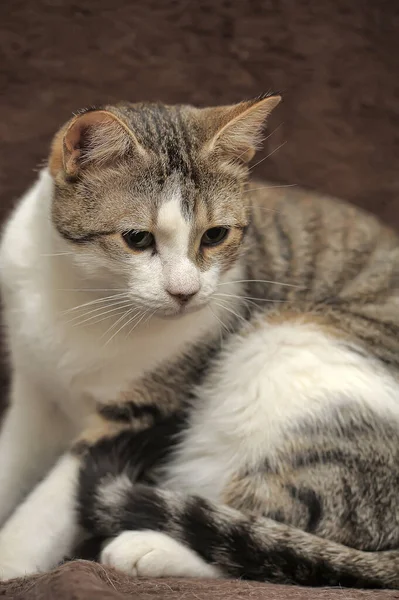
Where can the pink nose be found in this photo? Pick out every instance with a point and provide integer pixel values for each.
(182, 298)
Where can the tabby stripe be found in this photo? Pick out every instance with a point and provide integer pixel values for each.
(126, 412)
(312, 502)
(285, 249)
(82, 239)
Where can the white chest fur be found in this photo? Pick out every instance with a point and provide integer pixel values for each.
(75, 362)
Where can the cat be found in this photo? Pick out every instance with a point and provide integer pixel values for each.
(205, 370)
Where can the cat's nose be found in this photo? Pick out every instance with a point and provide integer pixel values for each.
(182, 298)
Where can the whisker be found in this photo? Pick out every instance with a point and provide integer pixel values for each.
(59, 254)
(245, 300)
(261, 281)
(224, 326)
(273, 187)
(120, 303)
(230, 310)
(273, 132)
(268, 156)
(237, 158)
(91, 290)
(115, 324)
(96, 318)
(106, 299)
(138, 323)
(150, 316)
(249, 298)
(266, 208)
(136, 316)
(104, 318)
(146, 320)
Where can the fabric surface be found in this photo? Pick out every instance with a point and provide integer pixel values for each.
(336, 63)
(83, 580)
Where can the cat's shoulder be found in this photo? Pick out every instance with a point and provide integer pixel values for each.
(22, 237)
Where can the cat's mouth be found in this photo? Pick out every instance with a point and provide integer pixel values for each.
(181, 311)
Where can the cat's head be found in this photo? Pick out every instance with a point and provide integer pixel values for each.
(151, 197)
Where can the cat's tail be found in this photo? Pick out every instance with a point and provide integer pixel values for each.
(241, 546)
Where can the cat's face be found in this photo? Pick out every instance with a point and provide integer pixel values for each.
(152, 198)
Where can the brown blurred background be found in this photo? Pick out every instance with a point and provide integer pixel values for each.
(335, 61)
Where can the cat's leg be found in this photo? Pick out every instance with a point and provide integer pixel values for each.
(43, 529)
(33, 435)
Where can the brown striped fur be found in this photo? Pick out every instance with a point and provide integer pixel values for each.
(344, 262)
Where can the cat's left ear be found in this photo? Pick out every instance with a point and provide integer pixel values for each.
(237, 130)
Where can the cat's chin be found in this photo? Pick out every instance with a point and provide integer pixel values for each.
(181, 312)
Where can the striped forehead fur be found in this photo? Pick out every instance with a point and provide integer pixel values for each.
(169, 132)
(130, 158)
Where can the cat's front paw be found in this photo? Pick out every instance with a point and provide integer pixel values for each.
(154, 554)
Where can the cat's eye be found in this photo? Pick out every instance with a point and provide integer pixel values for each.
(214, 236)
(139, 240)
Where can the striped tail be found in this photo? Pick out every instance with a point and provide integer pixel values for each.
(241, 546)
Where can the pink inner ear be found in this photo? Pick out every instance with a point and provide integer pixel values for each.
(240, 127)
(74, 140)
(73, 136)
(77, 130)
(72, 146)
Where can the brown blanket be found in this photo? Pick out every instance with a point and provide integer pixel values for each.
(82, 580)
(336, 63)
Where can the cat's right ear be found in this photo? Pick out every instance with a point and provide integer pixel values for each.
(236, 131)
(93, 137)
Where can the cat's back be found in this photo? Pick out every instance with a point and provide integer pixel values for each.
(327, 246)
(341, 264)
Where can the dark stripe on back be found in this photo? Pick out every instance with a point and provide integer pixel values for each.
(321, 457)
(286, 251)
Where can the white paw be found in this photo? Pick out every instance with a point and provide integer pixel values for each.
(154, 554)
